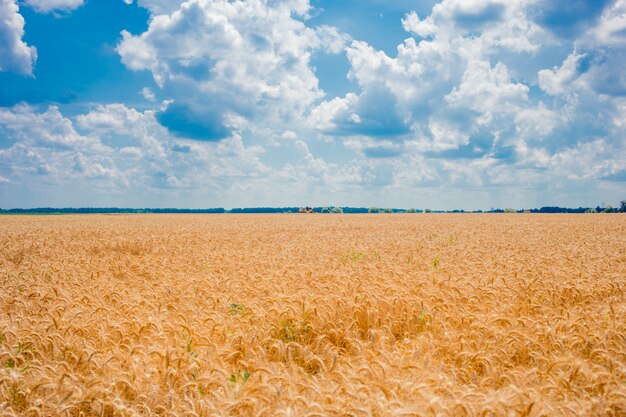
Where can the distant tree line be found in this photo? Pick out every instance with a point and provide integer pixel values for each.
(597, 209)
(552, 209)
(105, 210)
(328, 209)
(265, 210)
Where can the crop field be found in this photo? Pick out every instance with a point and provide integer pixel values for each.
(305, 314)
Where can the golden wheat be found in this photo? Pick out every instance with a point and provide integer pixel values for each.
(296, 315)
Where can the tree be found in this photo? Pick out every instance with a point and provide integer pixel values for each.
(337, 210)
(373, 210)
(411, 210)
(622, 208)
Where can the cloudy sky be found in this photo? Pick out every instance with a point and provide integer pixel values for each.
(212, 103)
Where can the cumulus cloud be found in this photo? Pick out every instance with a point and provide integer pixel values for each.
(15, 55)
(396, 93)
(118, 147)
(157, 7)
(412, 23)
(467, 16)
(438, 92)
(487, 90)
(112, 118)
(152, 158)
(604, 74)
(47, 6)
(373, 113)
(225, 63)
(558, 80)
(538, 122)
(482, 95)
(374, 148)
(589, 84)
(116, 120)
(47, 129)
(611, 28)
(459, 113)
(46, 147)
(499, 23)
(591, 160)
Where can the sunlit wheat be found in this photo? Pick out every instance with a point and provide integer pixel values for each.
(296, 315)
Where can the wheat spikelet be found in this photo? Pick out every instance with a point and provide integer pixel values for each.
(399, 315)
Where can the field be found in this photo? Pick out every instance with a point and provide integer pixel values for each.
(296, 315)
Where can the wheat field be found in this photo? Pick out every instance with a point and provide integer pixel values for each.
(313, 315)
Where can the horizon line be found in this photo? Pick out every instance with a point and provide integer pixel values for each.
(295, 209)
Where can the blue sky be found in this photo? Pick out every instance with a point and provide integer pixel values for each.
(431, 104)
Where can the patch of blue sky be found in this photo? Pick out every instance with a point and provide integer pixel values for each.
(247, 97)
(376, 22)
(77, 62)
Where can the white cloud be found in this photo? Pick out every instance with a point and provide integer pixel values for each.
(619, 115)
(119, 146)
(132, 151)
(594, 67)
(315, 167)
(157, 7)
(500, 23)
(592, 160)
(47, 6)
(91, 167)
(468, 110)
(231, 62)
(372, 148)
(289, 135)
(148, 94)
(455, 16)
(557, 80)
(611, 29)
(47, 129)
(488, 90)
(412, 23)
(327, 115)
(395, 92)
(55, 167)
(46, 146)
(445, 135)
(538, 122)
(112, 117)
(15, 54)
(438, 92)
(118, 120)
(452, 90)
(477, 100)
